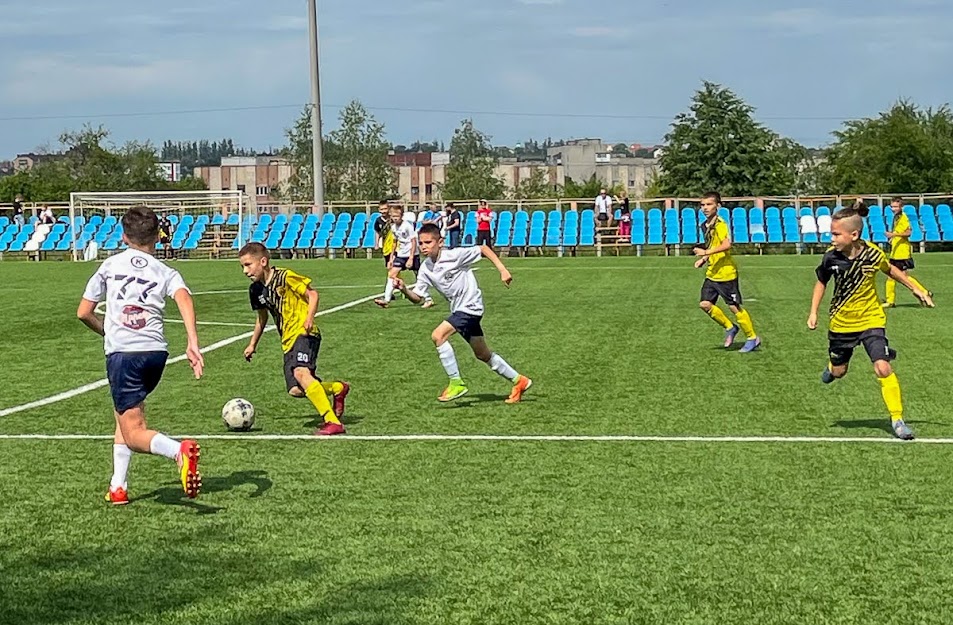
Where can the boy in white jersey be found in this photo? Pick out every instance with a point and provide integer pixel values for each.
(405, 256)
(450, 272)
(135, 285)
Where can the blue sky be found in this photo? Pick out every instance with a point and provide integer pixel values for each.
(616, 69)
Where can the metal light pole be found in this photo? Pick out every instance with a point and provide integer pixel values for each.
(317, 160)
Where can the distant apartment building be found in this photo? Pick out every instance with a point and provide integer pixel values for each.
(258, 176)
(581, 158)
(26, 162)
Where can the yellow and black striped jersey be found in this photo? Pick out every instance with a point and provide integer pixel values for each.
(721, 266)
(285, 296)
(900, 246)
(854, 304)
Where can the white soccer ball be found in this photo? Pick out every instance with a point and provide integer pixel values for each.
(238, 415)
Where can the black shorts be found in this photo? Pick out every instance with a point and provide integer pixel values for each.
(727, 290)
(842, 344)
(387, 259)
(602, 217)
(467, 325)
(903, 265)
(304, 353)
(402, 262)
(484, 237)
(132, 376)
(165, 240)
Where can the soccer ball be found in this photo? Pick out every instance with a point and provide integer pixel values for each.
(238, 415)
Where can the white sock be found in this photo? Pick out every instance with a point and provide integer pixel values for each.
(121, 457)
(162, 445)
(448, 360)
(389, 290)
(501, 367)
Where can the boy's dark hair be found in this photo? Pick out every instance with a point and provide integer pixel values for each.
(430, 229)
(254, 249)
(383, 203)
(857, 209)
(896, 198)
(713, 195)
(450, 205)
(141, 225)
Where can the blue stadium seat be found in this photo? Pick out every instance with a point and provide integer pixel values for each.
(726, 215)
(538, 219)
(520, 229)
(638, 227)
(504, 228)
(655, 227)
(554, 229)
(739, 225)
(673, 234)
(322, 238)
(587, 228)
(773, 224)
(232, 219)
(916, 230)
(217, 220)
(359, 226)
(792, 229)
(689, 226)
(4, 221)
(571, 229)
(756, 225)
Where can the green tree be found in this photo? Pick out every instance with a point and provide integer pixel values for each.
(536, 187)
(471, 173)
(583, 190)
(356, 165)
(718, 145)
(88, 162)
(621, 148)
(355, 158)
(904, 150)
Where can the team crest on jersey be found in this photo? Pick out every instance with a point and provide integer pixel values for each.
(133, 317)
(139, 262)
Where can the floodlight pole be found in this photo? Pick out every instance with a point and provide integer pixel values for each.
(317, 159)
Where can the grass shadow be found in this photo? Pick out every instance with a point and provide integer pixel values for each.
(877, 424)
(173, 495)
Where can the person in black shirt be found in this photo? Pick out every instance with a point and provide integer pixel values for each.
(18, 210)
(454, 225)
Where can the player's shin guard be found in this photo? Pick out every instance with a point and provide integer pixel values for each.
(891, 290)
(162, 445)
(503, 368)
(319, 398)
(448, 360)
(719, 317)
(122, 455)
(890, 389)
(744, 322)
(389, 290)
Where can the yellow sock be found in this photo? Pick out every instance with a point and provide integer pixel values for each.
(891, 291)
(744, 322)
(890, 389)
(332, 388)
(917, 284)
(316, 394)
(719, 317)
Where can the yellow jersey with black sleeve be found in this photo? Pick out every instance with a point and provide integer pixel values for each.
(721, 266)
(900, 248)
(854, 303)
(285, 296)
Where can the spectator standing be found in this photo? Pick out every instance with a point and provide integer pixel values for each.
(603, 209)
(47, 217)
(484, 218)
(18, 210)
(625, 217)
(454, 223)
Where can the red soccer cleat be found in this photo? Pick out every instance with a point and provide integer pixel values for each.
(330, 429)
(117, 496)
(189, 467)
(339, 400)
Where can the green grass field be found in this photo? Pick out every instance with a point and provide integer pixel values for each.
(383, 531)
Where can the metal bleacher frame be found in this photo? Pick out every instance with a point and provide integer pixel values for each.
(560, 227)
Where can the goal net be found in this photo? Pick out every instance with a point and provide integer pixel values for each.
(204, 223)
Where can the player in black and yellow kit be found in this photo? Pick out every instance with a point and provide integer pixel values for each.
(856, 315)
(901, 253)
(721, 277)
(293, 304)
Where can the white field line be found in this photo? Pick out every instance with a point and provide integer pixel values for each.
(517, 438)
(79, 390)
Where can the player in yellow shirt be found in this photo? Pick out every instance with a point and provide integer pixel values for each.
(856, 317)
(901, 252)
(721, 277)
(293, 303)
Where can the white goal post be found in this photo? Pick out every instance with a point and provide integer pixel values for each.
(94, 217)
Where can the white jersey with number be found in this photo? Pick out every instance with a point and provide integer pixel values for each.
(404, 233)
(452, 276)
(135, 286)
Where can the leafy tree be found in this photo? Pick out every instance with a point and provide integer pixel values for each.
(904, 150)
(587, 189)
(621, 148)
(536, 187)
(718, 145)
(88, 162)
(471, 172)
(355, 158)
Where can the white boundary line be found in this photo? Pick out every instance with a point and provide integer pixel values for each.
(209, 348)
(519, 438)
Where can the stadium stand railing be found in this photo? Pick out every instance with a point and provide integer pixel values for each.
(538, 227)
